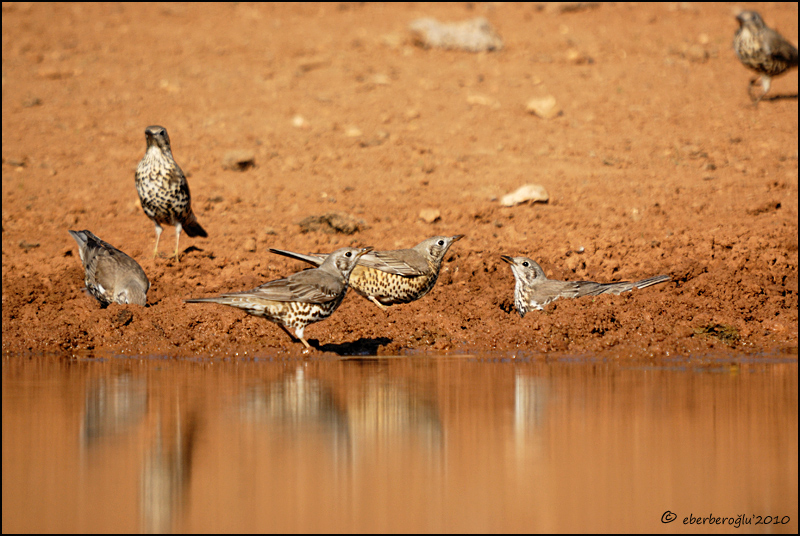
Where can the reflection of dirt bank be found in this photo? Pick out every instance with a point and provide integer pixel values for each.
(658, 164)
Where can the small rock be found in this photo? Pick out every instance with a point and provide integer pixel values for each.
(378, 139)
(697, 54)
(475, 35)
(574, 263)
(528, 192)
(770, 206)
(122, 318)
(544, 107)
(311, 64)
(483, 100)
(291, 163)
(429, 215)
(239, 160)
(54, 73)
(569, 7)
(266, 235)
(16, 161)
(577, 57)
(250, 245)
(411, 113)
(352, 132)
(333, 222)
(28, 245)
(299, 121)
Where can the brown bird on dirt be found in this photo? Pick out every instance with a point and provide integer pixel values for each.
(301, 298)
(533, 290)
(163, 189)
(110, 275)
(763, 50)
(392, 277)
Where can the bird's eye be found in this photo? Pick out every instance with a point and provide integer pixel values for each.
(440, 242)
(525, 264)
(348, 254)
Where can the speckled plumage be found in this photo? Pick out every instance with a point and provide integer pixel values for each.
(392, 277)
(110, 275)
(533, 290)
(301, 298)
(763, 50)
(163, 189)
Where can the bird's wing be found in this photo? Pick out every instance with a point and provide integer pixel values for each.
(404, 262)
(569, 289)
(778, 47)
(114, 269)
(311, 286)
(590, 288)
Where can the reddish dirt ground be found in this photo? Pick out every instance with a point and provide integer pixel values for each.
(658, 163)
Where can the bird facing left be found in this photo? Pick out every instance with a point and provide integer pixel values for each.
(111, 276)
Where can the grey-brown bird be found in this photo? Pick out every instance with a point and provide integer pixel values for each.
(763, 50)
(533, 290)
(163, 189)
(110, 275)
(301, 298)
(391, 277)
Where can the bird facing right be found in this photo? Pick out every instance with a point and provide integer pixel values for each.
(396, 276)
(300, 299)
(533, 290)
(163, 189)
(763, 50)
(110, 275)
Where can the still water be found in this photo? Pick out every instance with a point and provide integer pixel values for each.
(398, 444)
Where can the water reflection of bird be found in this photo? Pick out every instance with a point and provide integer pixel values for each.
(112, 406)
(374, 410)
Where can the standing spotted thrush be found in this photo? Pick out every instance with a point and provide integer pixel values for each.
(763, 50)
(110, 275)
(301, 298)
(533, 290)
(391, 277)
(163, 189)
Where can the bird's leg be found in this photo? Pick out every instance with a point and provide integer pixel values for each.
(177, 240)
(298, 335)
(766, 82)
(381, 306)
(158, 237)
(750, 89)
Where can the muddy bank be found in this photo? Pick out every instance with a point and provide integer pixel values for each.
(657, 163)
